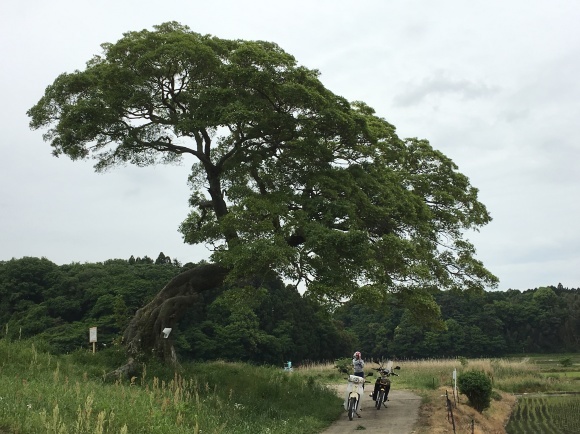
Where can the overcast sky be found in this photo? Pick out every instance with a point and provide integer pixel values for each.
(494, 84)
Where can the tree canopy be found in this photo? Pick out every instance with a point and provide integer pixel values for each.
(287, 177)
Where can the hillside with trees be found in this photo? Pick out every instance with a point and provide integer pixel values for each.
(270, 322)
(267, 323)
(489, 324)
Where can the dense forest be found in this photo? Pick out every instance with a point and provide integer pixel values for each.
(271, 322)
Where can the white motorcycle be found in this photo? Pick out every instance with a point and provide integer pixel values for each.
(354, 393)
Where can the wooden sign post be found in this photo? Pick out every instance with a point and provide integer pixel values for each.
(93, 337)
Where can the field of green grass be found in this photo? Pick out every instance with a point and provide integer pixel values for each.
(40, 393)
(43, 393)
(572, 375)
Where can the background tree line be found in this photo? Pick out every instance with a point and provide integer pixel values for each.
(491, 323)
(58, 304)
(275, 323)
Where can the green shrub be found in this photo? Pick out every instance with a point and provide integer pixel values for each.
(566, 362)
(343, 365)
(476, 385)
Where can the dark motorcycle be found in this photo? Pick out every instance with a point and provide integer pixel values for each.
(383, 384)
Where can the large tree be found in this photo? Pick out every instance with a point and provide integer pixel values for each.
(287, 177)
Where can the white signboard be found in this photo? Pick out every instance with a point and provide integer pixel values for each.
(93, 334)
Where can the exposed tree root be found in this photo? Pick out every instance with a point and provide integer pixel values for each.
(143, 336)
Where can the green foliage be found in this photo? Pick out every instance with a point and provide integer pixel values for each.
(371, 325)
(274, 323)
(476, 325)
(287, 176)
(343, 365)
(23, 283)
(271, 324)
(41, 392)
(60, 303)
(476, 385)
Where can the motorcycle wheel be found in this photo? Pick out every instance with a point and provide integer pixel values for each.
(379, 401)
(351, 408)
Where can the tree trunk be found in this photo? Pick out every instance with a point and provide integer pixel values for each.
(144, 333)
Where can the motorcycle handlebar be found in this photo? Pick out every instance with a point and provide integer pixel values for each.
(389, 372)
(366, 381)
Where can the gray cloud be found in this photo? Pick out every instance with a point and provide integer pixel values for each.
(441, 85)
(493, 85)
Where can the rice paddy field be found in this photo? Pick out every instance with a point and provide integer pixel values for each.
(547, 411)
(546, 414)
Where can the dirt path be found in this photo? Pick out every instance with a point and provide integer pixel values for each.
(400, 416)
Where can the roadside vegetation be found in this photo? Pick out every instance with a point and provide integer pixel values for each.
(42, 393)
(56, 305)
(513, 378)
(45, 393)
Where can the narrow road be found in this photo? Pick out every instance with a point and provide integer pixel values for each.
(400, 416)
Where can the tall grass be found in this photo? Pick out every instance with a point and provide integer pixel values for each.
(512, 376)
(40, 393)
(508, 375)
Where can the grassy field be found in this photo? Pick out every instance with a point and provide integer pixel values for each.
(42, 393)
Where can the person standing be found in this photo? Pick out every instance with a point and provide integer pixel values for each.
(358, 364)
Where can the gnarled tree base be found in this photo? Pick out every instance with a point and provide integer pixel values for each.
(143, 335)
(125, 372)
